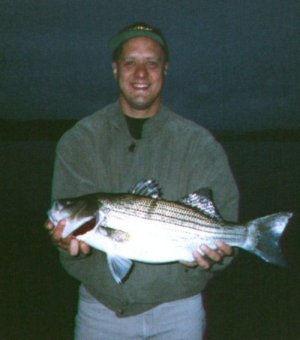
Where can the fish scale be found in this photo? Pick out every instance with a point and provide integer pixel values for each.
(176, 218)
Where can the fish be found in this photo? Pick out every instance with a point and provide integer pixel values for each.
(142, 226)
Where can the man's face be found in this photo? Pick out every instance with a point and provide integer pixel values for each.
(140, 72)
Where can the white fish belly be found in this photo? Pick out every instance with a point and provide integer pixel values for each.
(153, 241)
(154, 248)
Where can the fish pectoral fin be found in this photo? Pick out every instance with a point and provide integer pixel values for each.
(119, 267)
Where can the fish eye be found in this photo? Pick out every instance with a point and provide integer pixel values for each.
(67, 202)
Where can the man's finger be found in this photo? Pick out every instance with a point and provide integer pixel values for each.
(201, 259)
(225, 248)
(212, 254)
(49, 225)
(58, 230)
(74, 247)
(85, 248)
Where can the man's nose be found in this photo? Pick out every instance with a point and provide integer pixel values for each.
(141, 70)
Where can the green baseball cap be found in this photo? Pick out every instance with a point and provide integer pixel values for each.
(138, 30)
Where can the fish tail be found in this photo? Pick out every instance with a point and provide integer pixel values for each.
(264, 235)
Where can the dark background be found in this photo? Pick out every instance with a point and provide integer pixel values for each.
(234, 68)
(234, 64)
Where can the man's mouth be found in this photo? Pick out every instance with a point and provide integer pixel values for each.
(139, 86)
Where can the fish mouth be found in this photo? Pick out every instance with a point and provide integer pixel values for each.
(79, 226)
(85, 227)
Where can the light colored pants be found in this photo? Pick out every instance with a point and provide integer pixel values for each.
(177, 320)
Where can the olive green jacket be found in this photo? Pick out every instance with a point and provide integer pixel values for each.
(95, 155)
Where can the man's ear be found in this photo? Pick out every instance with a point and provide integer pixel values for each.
(114, 69)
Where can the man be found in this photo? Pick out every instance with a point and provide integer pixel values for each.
(110, 151)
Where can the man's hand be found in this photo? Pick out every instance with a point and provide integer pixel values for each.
(206, 257)
(69, 243)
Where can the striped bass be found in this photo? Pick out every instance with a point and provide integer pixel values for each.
(142, 226)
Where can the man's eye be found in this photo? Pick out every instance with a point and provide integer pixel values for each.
(153, 63)
(129, 63)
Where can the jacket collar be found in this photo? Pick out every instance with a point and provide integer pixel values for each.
(151, 127)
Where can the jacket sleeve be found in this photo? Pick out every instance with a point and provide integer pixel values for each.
(73, 176)
(210, 166)
(73, 167)
(215, 171)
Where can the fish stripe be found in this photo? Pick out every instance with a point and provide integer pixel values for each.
(173, 215)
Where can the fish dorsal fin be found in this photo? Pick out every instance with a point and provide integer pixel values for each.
(148, 188)
(119, 267)
(201, 201)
